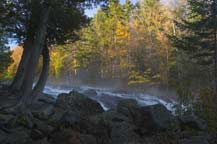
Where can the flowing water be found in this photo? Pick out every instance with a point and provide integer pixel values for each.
(108, 98)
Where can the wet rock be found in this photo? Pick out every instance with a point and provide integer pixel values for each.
(90, 92)
(110, 101)
(192, 121)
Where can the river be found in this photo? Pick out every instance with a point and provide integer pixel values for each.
(108, 98)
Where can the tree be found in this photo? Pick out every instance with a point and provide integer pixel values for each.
(150, 47)
(199, 36)
(39, 24)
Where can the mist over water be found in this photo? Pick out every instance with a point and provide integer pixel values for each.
(109, 97)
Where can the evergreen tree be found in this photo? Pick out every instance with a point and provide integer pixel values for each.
(199, 34)
(38, 24)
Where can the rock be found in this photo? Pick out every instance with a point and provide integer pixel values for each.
(18, 136)
(192, 121)
(110, 101)
(126, 107)
(74, 108)
(77, 102)
(42, 110)
(36, 134)
(3, 136)
(87, 139)
(158, 117)
(45, 98)
(113, 128)
(42, 107)
(43, 126)
(149, 118)
(90, 92)
(65, 136)
(123, 132)
(20, 120)
(195, 140)
(71, 118)
(5, 118)
(41, 141)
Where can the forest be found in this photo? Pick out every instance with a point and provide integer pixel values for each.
(131, 46)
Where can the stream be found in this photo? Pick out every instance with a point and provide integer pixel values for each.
(108, 98)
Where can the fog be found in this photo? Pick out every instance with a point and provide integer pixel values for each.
(109, 93)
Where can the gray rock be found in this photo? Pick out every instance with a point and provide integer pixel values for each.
(127, 107)
(158, 117)
(77, 102)
(43, 126)
(90, 92)
(149, 118)
(192, 121)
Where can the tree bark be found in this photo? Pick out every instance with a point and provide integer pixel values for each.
(18, 79)
(35, 53)
(45, 72)
(215, 63)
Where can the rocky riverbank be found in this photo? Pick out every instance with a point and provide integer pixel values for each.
(74, 118)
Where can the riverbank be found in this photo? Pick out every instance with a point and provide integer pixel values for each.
(76, 119)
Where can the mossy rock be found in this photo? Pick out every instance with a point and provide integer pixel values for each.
(20, 120)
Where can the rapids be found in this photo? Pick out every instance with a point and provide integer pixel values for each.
(108, 98)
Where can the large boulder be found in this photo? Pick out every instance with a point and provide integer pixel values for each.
(78, 102)
(71, 108)
(157, 117)
(147, 119)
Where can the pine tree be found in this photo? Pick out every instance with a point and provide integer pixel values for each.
(199, 34)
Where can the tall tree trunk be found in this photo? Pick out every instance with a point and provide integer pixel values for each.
(35, 53)
(18, 79)
(215, 59)
(45, 72)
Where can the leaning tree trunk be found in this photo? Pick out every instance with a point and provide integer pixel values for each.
(35, 54)
(44, 74)
(18, 79)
